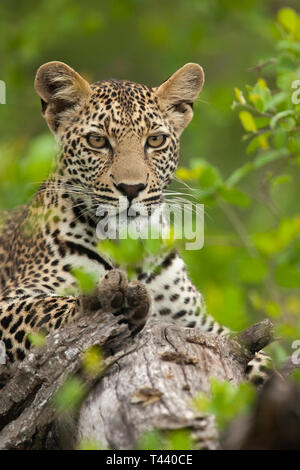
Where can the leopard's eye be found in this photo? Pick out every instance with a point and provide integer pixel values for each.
(96, 141)
(156, 141)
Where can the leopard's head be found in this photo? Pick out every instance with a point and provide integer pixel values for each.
(119, 139)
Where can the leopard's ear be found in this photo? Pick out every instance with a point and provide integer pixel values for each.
(178, 93)
(61, 90)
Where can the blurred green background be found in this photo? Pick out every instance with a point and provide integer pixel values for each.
(249, 266)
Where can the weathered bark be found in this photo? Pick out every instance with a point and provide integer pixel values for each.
(153, 386)
(26, 414)
(147, 384)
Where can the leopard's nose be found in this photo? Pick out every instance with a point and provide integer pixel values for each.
(130, 190)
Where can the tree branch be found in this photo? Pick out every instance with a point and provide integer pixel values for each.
(147, 384)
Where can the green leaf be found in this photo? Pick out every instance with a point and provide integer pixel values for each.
(260, 95)
(279, 116)
(179, 439)
(289, 19)
(185, 174)
(262, 121)
(226, 402)
(253, 145)
(247, 121)
(208, 177)
(86, 281)
(69, 396)
(123, 252)
(37, 339)
(92, 361)
(260, 141)
(239, 95)
(204, 173)
(277, 99)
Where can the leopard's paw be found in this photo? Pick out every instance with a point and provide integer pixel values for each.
(139, 304)
(120, 297)
(112, 291)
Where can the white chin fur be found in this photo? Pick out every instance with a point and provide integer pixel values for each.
(136, 223)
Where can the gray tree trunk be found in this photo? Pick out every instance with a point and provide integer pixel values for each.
(148, 382)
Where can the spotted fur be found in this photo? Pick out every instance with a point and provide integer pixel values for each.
(40, 242)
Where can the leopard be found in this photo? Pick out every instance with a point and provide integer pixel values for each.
(119, 147)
